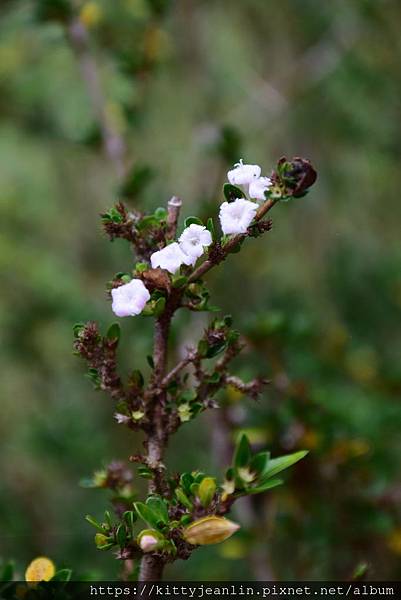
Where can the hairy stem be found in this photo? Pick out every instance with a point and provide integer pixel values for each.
(152, 566)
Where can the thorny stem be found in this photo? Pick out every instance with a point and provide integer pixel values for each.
(113, 142)
(231, 244)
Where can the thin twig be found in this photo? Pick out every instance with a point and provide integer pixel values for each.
(113, 142)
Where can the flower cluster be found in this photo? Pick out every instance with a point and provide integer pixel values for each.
(235, 217)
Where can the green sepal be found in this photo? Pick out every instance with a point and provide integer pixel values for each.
(192, 220)
(232, 192)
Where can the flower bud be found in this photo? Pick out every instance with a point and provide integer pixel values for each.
(209, 530)
(296, 175)
(40, 569)
(149, 540)
(207, 489)
(101, 540)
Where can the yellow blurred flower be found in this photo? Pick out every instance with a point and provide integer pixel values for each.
(156, 44)
(310, 439)
(233, 394)
(40, 569)
(233, 549)
(347, 449)
(362, 365)
(90, 15)
(394, 541)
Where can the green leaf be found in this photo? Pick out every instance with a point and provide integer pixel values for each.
(107, 517)
(192, 220)
(179, 281)
(203, 348)
(183, 499)
(145, 472)
(129, 517)
(160, 305)
(78, 327)
(94, 523)
(7, 571)
(62, 575)
(210, 226)
(276, 465)
(121, 535)
(141, 267)
(145, 513)
(147, 222)
(113, 332)
(136, 378)
(160, 214)
(260, 462)
(268, 485)
(206, 491)
(232, 192)
(242, 454)
(159, 507)
(150, 361)
(186, 480)
(216, 349)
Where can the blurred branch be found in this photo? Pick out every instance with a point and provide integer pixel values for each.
(113, 142)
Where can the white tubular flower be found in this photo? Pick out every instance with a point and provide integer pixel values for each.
(129, 299)
(170, 258)
(258, 187)
(243, 174)
(235, 217)
(194, 239)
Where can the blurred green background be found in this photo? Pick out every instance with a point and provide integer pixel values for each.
(193, 86)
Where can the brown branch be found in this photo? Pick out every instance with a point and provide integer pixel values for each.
(192, 356)
(113, 142)
(230, 245)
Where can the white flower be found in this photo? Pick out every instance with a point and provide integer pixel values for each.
(235, 217)
(243, 174)
(129, 299)
(148, 542)
(170, 258)
(193, 240)
(258, 188)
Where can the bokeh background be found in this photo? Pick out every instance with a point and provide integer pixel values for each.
(192, 86)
